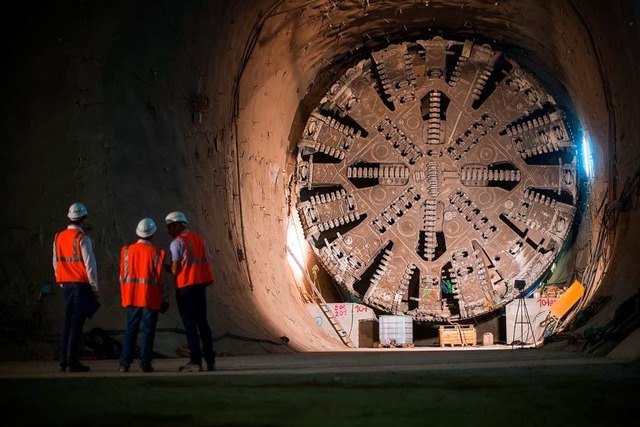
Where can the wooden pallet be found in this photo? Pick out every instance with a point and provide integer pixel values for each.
(452, 344)
(406, 345)
(457, 335)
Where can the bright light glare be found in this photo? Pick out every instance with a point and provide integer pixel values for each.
(296, 254)
(587, 157)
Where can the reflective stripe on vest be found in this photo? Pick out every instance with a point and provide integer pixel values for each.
(126, 278)
(190, 254)
(196, 268)
(69, 268)
(140, 270)
(76, 245)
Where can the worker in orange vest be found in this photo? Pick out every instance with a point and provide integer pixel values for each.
(190, 264)
(74, 265)
(143, 294)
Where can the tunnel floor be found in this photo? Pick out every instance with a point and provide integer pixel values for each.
(360, 360)
(525, 387)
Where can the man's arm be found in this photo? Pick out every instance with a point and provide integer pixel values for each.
(90, 262)
(55, 264)
(177, 254)
(175, 267)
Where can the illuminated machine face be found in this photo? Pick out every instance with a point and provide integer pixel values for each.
(434, 175)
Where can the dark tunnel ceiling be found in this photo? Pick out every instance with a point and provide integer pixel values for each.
(433, 177)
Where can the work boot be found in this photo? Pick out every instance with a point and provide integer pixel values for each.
(62, 367)
(191, 367)
(78, 367)
(123, 368)
(146, 368)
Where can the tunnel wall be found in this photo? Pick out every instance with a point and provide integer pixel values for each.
(613, 30)
(99, 108)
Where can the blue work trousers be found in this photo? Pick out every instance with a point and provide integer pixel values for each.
(192, 304)
(76, 298)
(137, 317)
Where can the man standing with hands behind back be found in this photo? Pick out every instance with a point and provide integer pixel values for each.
(190, 264)
(74, 264)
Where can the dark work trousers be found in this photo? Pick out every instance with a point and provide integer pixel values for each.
(192, 304)
(76, 298)
(136, 317)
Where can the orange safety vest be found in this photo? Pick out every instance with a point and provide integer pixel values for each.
(195, 266)
(69, 263)
(140, 270)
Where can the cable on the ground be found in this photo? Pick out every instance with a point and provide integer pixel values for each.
(283, 339)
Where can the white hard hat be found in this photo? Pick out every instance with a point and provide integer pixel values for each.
(176, 217)
(76, 211)
(146, 228)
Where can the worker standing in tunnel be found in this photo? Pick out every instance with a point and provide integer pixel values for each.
(143, 294)
(75, 268)
(191, 266)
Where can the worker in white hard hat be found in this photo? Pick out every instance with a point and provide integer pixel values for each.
(143, 294)
(191, 266)
(74, 265)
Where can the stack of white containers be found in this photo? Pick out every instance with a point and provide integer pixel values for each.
(395, 330)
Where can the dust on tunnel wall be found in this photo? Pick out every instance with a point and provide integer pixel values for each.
(614, 30)
(100, 110)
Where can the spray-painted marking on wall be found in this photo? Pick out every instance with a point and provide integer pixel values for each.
(546, 302)
(340, 310)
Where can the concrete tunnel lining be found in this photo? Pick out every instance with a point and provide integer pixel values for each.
(324, 64)
(279, 58)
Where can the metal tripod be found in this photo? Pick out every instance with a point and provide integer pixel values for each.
(522, 318)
